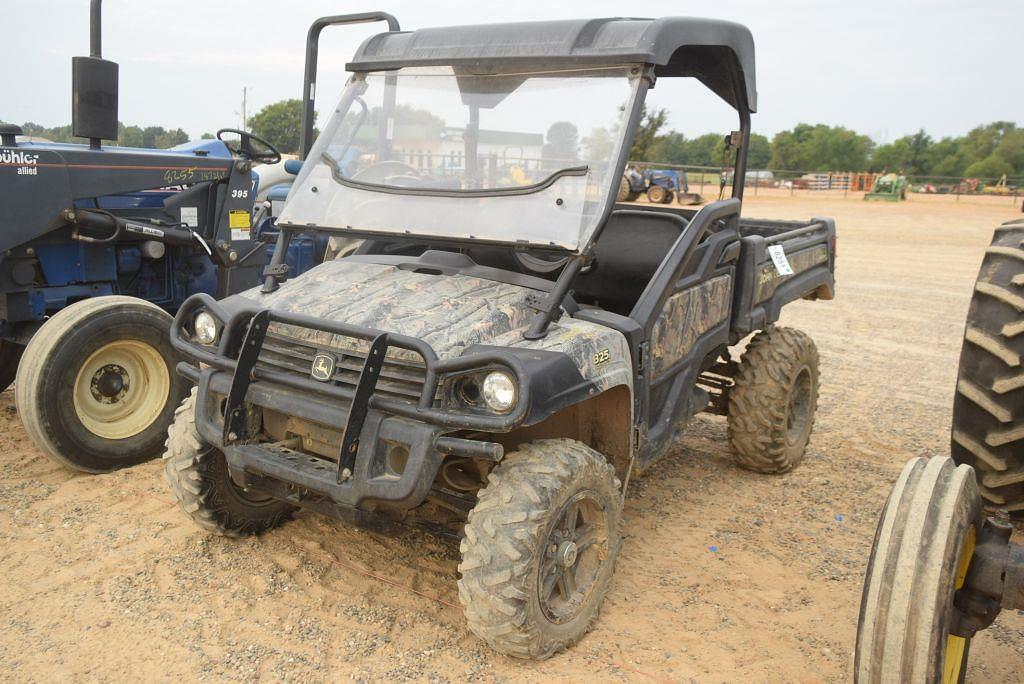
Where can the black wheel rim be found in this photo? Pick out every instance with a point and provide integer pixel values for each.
(799, 406)
(573, 557)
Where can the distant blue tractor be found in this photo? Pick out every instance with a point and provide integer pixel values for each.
(660, 185)
(98, 245)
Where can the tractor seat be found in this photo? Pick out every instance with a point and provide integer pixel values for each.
(626, 255)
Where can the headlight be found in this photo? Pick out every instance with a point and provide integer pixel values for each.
(205, 327)
(499, 391)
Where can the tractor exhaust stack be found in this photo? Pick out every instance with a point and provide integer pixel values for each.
(94, 88)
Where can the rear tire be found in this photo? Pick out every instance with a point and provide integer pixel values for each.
(10, 355)
(774, 399)
(97, 386)
(624, 190)
(198, 476)
(988, 412)
(922, 550)
(540, 548)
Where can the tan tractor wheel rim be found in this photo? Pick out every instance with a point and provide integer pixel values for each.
(956, 647)
(121, 389)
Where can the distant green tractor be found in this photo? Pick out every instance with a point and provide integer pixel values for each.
(890, 186)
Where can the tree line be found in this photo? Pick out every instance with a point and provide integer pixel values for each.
(987, 151)
(279, 123)
(127, 136)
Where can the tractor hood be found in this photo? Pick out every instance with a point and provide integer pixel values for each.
(448, 312)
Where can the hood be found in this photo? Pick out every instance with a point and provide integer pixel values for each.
(448, 312)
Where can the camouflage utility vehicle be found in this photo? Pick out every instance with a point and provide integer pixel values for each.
(499, 347)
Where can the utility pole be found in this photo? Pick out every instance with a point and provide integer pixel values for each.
(245, 109)
(245, 114)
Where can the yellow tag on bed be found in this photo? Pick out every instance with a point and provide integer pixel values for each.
(238, 218)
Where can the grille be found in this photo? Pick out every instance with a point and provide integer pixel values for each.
(399, 378)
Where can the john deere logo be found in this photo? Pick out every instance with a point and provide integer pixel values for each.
(323, 367)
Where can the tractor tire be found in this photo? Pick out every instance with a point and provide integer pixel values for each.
(10, 355)
(988, 411)
(670, 197)
(656, 194)
(773, 401)
(97, 387)
(922, 550)
(198, 476)
(633, 196)
(624, 190)
(540, 548)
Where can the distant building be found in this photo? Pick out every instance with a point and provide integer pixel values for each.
(441, 150)
(431, 149)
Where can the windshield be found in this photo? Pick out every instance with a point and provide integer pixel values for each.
(433, 151)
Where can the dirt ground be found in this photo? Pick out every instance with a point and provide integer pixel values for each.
(725, 576)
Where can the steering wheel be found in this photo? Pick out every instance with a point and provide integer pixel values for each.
(250, 147)
(389, 173)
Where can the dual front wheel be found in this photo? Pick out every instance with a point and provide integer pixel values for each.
(920, 557)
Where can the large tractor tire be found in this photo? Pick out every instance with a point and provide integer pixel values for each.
(97, 387)
(922, 550)
(198, 476)
(624, 190)
(540, 548)
(773, 401)
(10, 355)
(988, 412)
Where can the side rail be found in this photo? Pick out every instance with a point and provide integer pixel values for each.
(708, 220)
(775, 270)
(701, 262)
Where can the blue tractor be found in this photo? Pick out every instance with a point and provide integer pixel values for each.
(99, 246)
(660, 185)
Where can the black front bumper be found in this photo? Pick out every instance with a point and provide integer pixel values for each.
(365, 475)
(372, 480)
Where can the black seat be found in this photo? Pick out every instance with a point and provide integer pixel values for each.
(629, 250)
(627, 253)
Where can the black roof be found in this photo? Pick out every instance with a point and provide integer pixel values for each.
(719, 53)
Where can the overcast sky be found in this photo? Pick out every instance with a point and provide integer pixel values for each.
(881, 67)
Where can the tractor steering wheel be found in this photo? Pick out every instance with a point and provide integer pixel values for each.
(249, 146)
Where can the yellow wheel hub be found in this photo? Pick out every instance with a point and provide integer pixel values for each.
(121, 389)
(956, 647)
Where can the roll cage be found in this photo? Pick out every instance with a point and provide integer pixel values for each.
(718, 53)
